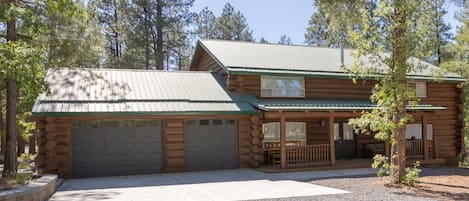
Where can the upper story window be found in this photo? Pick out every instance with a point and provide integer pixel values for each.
(420, 89)
(274, 86)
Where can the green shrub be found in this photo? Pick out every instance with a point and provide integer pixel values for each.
(411, 178)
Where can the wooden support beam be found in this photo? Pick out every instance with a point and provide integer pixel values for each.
(424, 136)
(331, 138)
(283, 150)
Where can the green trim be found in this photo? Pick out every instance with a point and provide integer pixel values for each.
(293, 108)
(324, 74)
(65, 114)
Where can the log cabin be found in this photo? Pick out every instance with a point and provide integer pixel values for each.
(241, 105)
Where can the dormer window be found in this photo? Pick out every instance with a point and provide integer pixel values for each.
(419, 89)
(276, 86)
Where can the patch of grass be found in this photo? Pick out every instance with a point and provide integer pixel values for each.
(15, 181)
(25, 161)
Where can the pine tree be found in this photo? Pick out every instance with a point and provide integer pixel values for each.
(158, 30)
(230, 25)
(22, 62)
(112, 19)
(205, 23)
(263, 40)
(285, 40)
(74, 41)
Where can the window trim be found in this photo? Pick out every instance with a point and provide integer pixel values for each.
(301, 79)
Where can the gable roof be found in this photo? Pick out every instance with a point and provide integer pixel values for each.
(116, 91)
(237, 57)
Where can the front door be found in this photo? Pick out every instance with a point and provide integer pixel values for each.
(345, 140)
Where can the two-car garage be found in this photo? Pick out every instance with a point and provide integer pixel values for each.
(123, 147)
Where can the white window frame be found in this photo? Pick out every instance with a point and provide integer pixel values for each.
(420, 89)
(263, 88)
(287, 125)
(415, 130)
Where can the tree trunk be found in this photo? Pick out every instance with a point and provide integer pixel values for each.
(116, 37)
(10, 164)
(2, 128)
(399, 72)
(159, 35)
(32, 144)
(10, 160)
(147, 37)
(21, 145)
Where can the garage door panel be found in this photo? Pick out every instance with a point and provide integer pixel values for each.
(209, 146)
(105, 151)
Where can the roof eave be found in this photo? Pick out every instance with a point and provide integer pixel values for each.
(77, 114)
(338, 109)
(338, 75)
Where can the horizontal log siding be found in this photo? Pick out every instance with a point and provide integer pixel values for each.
(314, 87)
(54, 150)
(244, 141)
(206, 63)
(447, 124)
(173, 145)
(315, 133)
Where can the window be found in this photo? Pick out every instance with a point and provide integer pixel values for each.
(217, 122)
(114, 123)
(414, 131)
(295, 131)
(419, 89)
(347, 130)
(272, 86)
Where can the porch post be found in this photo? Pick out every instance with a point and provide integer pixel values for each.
(331, 137)
(283, 151)
(424, 136)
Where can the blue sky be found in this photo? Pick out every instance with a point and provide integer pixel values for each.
(273, 18)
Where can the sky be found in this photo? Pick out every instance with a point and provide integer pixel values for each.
(273, 18)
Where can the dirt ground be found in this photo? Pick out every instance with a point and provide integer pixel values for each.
(449, 184)
(447, 187)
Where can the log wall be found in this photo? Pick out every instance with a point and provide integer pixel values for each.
(173, 145)
(54, 147)
(316, 133)
(205, 62)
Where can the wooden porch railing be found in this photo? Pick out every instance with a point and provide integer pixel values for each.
(414, 148)
(309, 154)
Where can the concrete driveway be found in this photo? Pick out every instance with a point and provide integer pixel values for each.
(237, 184)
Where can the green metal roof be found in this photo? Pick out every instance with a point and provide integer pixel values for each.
(106, 91)
(258, 58)
(325, 105)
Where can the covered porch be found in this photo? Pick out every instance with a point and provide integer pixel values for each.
(329, 138)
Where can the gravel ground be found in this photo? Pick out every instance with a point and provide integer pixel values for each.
(363, 188)
(371, 188)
